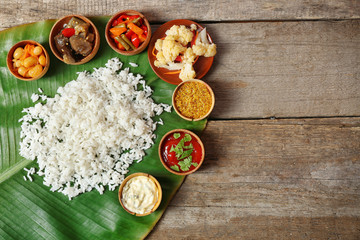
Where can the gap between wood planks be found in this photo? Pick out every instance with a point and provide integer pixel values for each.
(280, 118)
(266, 21)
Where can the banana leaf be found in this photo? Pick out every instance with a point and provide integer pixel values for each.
(29, 210)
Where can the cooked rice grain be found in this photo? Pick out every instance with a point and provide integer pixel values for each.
(92, 130)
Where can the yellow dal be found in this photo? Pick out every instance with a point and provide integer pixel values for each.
(193, 100)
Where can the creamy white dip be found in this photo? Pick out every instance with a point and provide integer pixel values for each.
(140, 194)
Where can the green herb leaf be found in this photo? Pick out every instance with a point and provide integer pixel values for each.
(176, 135)
(187, 137)
(181, 143)
(186, 154)
(172, 149)
(190, 146)
(195, 164)
(183, 166)
(179, 149)
(178, 152)
(175, 168)
(188, 161)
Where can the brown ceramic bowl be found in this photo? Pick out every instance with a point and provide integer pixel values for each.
(112, 43)
(193, 135)
(157, 185)
(10, 65)
(59, 25)
(201, 66)
(179, 112)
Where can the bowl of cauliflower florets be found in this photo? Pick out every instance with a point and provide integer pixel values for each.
(181, 50)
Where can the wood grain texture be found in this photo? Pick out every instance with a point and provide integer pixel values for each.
(16, 12)
(279, 69)
(271, 179)
(286, 69)
(262, 179)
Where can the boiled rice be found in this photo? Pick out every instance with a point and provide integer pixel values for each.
(92, 130)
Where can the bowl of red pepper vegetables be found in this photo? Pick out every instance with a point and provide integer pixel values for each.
(128, 32)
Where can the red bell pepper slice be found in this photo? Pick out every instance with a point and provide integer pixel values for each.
(129, 34)
(195, 35)
(143, 27)
(114, 23)
(68, 32)
(132, 17)
(178, 59)
(135, 40)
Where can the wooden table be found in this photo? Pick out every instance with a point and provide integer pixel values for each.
(283, 142)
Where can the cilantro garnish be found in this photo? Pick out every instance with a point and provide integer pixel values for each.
(184, 166)
(175, 167)
(187, 137)
(186, 154)
(190, 146)
(183, 153)
(172, 149)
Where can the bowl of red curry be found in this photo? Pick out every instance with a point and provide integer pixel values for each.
(181, 152)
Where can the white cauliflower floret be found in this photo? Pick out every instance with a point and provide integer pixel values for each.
(199, 49)
(158, 44)
(168, 50)
(181, 34)
(211, 50)
(193, 27)
(204, 49)
(189, 56)
(160, 59)
(187, 72)
(171, 49)
(175, 44)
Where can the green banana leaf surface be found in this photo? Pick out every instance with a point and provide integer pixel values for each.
(29, 210)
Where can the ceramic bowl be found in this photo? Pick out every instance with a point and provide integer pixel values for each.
(59, 25)
(157, 185)
(177, 109)
(10, 63)
(201, 66)
(112, 43)
(161, 149)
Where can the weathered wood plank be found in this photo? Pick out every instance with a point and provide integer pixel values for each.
(16, 12)
(224, 223)
(272, 178)
(286, 69)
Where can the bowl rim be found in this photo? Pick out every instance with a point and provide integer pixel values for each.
(193, 135)
(111, 42)
(157, 204)
(212, 100)
(96, 40)
(9, 59)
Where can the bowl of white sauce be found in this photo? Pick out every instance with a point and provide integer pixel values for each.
(140, 194)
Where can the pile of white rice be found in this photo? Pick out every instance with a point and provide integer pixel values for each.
(92, 130)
